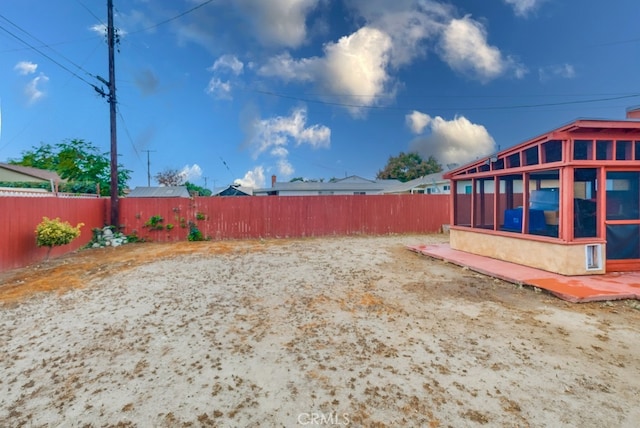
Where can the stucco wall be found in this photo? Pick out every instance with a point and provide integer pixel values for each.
(565, 259)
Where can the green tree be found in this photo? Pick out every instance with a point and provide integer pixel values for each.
(192, 188)
(408, 166)
(78, 162)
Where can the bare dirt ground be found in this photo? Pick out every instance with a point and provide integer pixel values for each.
(353, 331)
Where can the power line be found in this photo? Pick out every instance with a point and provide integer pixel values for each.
(47, 46)
(405, 108)
(180, 15)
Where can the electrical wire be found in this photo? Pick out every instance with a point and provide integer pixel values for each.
(26, 43)
(405, 108)
(180, 15)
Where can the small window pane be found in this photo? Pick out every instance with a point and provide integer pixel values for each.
(531, 156)
(637, 150)
(623, 150)
(582, 150)
(513, 161)
(604, 149)
(552, 151)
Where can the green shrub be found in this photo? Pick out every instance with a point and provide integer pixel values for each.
(53, 233)
(194, 233)
(154, 223)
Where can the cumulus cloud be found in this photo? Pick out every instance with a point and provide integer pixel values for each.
(523, 7)
(465, 49)
(253, 178)
(229, 63)
(563, 71)
(281, 131)
(417, 121)
(33, 91)
(191, 173)
(355, 67)
(456, 141)
(276, 136)
(25, 68)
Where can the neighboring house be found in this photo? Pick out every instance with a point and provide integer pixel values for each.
(160, 192)
(431, 184)
(233, 190)
(24, 174)
(352, 185)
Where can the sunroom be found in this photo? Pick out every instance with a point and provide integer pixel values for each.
(566, 202)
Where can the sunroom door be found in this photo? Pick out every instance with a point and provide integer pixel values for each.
(623, 220)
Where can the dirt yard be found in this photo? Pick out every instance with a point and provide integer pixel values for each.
(352, 331)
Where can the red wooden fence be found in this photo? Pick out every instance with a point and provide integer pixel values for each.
(221, 218)
(19, 217)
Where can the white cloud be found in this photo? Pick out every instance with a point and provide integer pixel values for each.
(464, 47)
(277, 135)
(191, 173)
(280, 131)
(455, 141)
(228, 62)
(355, 67)
(278, 22)
(285, 168)
(417, 121)
(563, 71)
(523, 7)
(25, 68)
(33, 90)
(253, 178)
(219, 89)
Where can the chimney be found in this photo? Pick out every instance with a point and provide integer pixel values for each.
(633, 112)
(273, 181)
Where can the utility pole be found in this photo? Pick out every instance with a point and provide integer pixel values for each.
(115, 208)
(148, 167)
(205, 182)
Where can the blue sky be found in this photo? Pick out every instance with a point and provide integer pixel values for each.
(237, 91)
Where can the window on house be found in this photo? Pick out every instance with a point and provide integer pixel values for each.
(510, 203)
(583, 150)
(484, 196)
(604, 150)
(623, 150)
(552, 151)
(585, 192)
(462, 203)
(531, 156)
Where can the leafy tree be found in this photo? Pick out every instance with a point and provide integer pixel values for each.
(192, 188)
(78, 162)
(170, 177)
(408, 166)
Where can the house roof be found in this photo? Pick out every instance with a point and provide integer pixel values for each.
(348, 184)
(160, 192)
(575, 129)
(41, 174)
(421, 182)
(232, 190)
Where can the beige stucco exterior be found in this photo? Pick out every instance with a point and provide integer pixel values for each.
(562, 258)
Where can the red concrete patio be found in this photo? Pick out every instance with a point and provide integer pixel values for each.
(586, 288)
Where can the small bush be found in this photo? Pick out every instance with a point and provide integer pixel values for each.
(154, 223)
(194, 233)
(53, 233)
